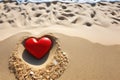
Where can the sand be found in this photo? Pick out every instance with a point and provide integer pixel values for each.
(50, 67)
(87, 33)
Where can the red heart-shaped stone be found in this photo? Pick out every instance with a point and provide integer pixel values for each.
(38, 47)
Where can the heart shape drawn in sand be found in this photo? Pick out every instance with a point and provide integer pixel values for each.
(38, 47)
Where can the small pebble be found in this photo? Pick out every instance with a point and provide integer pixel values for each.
(31, 73)
(55, 62)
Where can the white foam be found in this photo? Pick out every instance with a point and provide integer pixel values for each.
(78, 1)
(69, 1)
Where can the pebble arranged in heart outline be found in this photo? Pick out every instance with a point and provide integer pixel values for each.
(51, 71)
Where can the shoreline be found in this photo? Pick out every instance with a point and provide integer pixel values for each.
(63, 1)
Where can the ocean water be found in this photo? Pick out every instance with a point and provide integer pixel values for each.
(69, 1)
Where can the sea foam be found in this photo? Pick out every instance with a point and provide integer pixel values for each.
(69, 1)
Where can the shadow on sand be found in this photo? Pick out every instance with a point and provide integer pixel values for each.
(32, 60)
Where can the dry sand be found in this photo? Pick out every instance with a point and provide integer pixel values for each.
(89, 34)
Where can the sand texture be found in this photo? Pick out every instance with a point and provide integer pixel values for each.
(25, 67)
(87, 33)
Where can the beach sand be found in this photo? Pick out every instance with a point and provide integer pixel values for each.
(87, 33)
